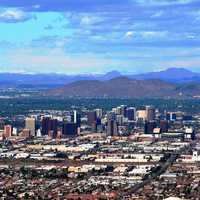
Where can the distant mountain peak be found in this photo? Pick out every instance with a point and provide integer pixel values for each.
(175, 75)
(114, 72)
(177, 69)
(111, 75)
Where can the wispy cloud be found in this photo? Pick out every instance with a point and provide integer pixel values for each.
(154, 34)
(131, 34)
(14, 15)
(164, 2)
(158, 14)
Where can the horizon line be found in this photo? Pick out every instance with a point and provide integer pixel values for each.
(92, 74)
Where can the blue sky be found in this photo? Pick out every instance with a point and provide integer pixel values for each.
(97, 36)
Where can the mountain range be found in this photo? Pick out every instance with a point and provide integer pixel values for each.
(124, 87)
(171, 75)
(173, 82)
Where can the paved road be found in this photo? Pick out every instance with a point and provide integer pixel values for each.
(61, 163)
(152, 176)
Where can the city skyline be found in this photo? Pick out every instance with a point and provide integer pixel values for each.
(77, 37)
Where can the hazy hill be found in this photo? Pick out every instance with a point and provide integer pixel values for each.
(125, 87)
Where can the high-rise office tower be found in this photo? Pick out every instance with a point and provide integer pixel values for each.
(131, 114)
(91, 117)
(76, 118)
(112, 127)
(164, 126)
(2, 124)
(30, 125)
(119, 119)
(150, 113)
(38, 133)
(123, 110)
(141, 115)
(99, 113)
(117, 110)
(98, 121)
(53, 127)
(111, 116)
(7, 131)
(45, 125)
(49, 126)
(149, 127)
(14, 131)
(69, 129)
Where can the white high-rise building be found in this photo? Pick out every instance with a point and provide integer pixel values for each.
(14, 131)
(38, 134)
(99, 113)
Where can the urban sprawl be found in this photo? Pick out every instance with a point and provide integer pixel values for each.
(126, 153)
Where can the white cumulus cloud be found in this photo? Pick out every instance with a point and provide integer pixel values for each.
(129, 34)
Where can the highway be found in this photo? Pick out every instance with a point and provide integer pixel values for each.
(163, 167)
